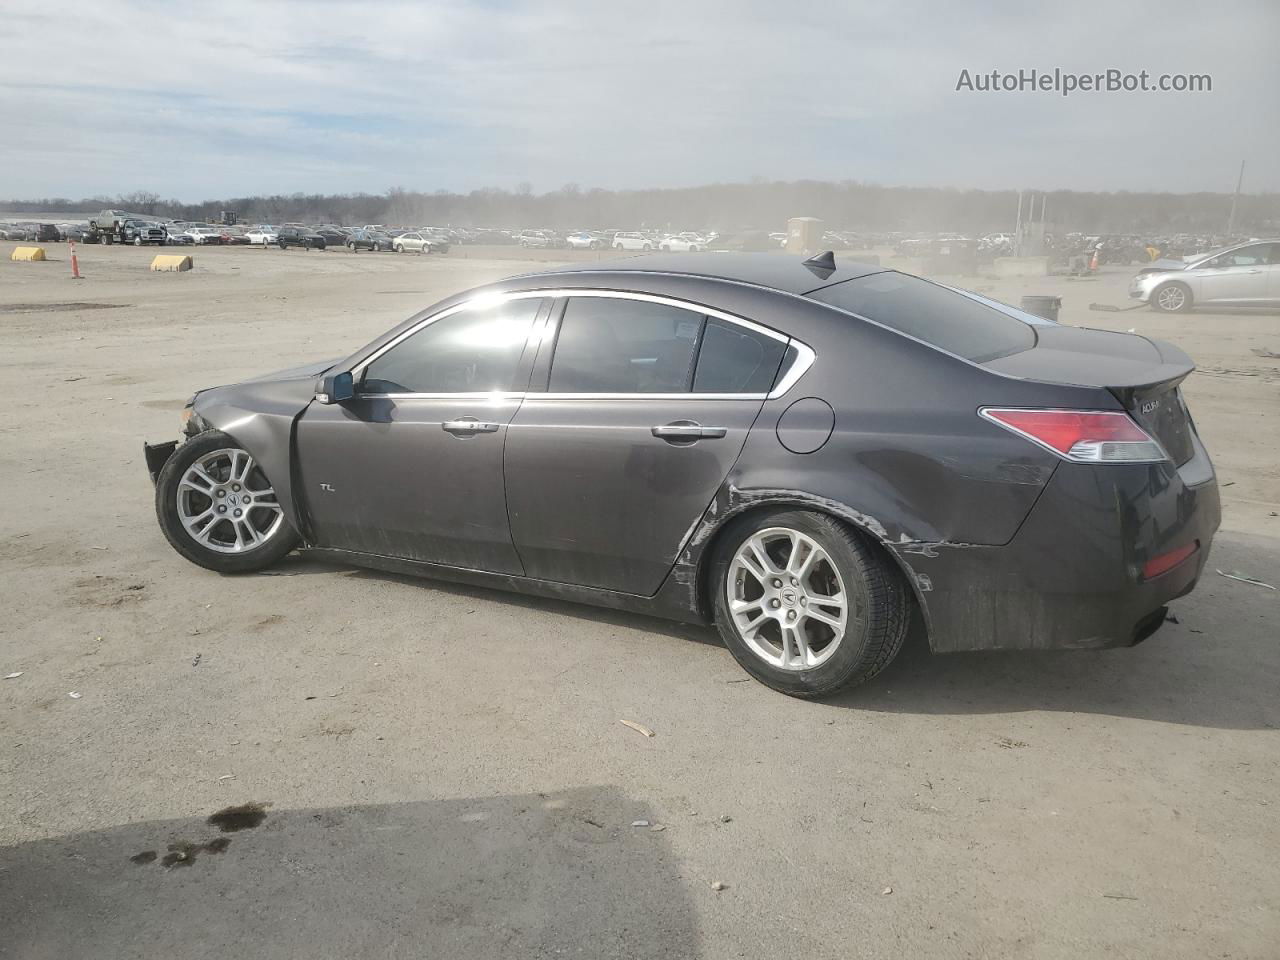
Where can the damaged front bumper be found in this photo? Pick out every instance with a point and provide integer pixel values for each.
(157, 455)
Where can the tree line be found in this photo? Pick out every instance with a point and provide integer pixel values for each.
(725, 207)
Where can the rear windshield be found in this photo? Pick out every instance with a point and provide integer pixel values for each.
(932, 313)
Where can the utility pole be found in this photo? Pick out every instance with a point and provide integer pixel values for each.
(1231, 222)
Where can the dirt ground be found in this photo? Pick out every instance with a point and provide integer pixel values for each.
(442, 769)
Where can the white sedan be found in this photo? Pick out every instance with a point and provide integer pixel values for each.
(202, 235)
(682, 245)
(264, 236)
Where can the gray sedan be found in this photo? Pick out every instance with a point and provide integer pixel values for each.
(1247, 275)
(809, 455)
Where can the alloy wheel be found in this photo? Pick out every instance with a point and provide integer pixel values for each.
(226, 504)
(1172, 298)
(787, 599)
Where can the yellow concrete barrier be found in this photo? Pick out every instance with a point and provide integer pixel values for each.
(27, 253)
(172, 262)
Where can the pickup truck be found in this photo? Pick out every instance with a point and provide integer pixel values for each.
(140, 232)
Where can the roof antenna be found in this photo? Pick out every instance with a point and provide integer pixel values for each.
(822, 265)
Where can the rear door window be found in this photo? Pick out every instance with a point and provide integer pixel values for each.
(734, 359)
(932, 313)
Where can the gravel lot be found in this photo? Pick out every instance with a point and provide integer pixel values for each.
(443, 770)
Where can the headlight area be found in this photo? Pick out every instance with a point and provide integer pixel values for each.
(192, 422)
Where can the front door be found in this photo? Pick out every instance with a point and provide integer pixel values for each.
(1236, 277)
(614, 457)
(411, 466)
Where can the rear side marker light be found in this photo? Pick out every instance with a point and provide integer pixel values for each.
(1167, 561)
(1082, 436)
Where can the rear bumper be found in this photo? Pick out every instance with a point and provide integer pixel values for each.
(1071, 578)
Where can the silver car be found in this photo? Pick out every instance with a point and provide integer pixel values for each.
(1246, 275)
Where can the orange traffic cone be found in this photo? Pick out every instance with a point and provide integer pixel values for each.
(1093, 264)
(75, 263)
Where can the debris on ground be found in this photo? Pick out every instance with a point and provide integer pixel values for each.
(195, 661)
(13, 676)
(1119, 896)
(1266, 354)
(718, 885)
(1108, 308)
(637, 727)
(886, 891)
(640, 823)
(658, 827)
(227, 776)
(592, 823)
(1237, 575)
(74, 696)
(725, 818)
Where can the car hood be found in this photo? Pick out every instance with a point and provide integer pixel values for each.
(307, 371)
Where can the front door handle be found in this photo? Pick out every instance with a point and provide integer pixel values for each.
(687, 431)
(468, 426)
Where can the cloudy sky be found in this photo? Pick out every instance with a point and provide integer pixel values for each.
(254, 96)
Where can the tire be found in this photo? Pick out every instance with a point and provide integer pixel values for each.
(666, 247)
(137, 241)
(398, 248)
(849, 567)
(1171, 297)
(647, 247)
(279, 537)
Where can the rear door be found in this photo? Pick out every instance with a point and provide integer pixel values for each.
(628, 430)
(411, 466)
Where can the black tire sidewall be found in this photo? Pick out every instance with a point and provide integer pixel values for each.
(171, 524)
(849, 664)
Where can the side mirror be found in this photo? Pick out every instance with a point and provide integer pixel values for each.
(335, 388)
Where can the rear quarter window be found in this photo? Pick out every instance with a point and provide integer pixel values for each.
(935, 314)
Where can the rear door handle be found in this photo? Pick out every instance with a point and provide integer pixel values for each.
(469, 425)
(687, 431)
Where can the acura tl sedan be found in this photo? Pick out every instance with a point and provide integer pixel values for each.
(808, 455)
(1246, 275)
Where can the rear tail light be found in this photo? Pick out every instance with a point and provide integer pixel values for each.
(1167, 561)
(1085, 436)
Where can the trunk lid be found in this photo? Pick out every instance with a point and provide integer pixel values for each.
(1142, 374)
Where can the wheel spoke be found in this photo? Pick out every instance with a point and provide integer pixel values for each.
(762, 556)
(802, 569)
(752, 566)
(202, 535)
(813, 613)
(197, 472)
(800, 643)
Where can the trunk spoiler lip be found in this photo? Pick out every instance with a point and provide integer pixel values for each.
(1054, 361)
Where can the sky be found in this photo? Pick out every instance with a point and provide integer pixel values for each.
(241, 97)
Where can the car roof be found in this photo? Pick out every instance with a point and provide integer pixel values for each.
(785, 272)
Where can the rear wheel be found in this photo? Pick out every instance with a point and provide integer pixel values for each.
(218, 509)
(1172, 297)
(805, 605)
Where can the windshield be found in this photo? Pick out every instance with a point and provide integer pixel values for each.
(945, 318)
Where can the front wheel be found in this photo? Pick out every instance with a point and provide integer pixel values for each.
(218, 509)
(137, 241)
(805, 605)
(1171, 298)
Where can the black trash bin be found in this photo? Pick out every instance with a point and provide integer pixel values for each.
(1046, 307)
